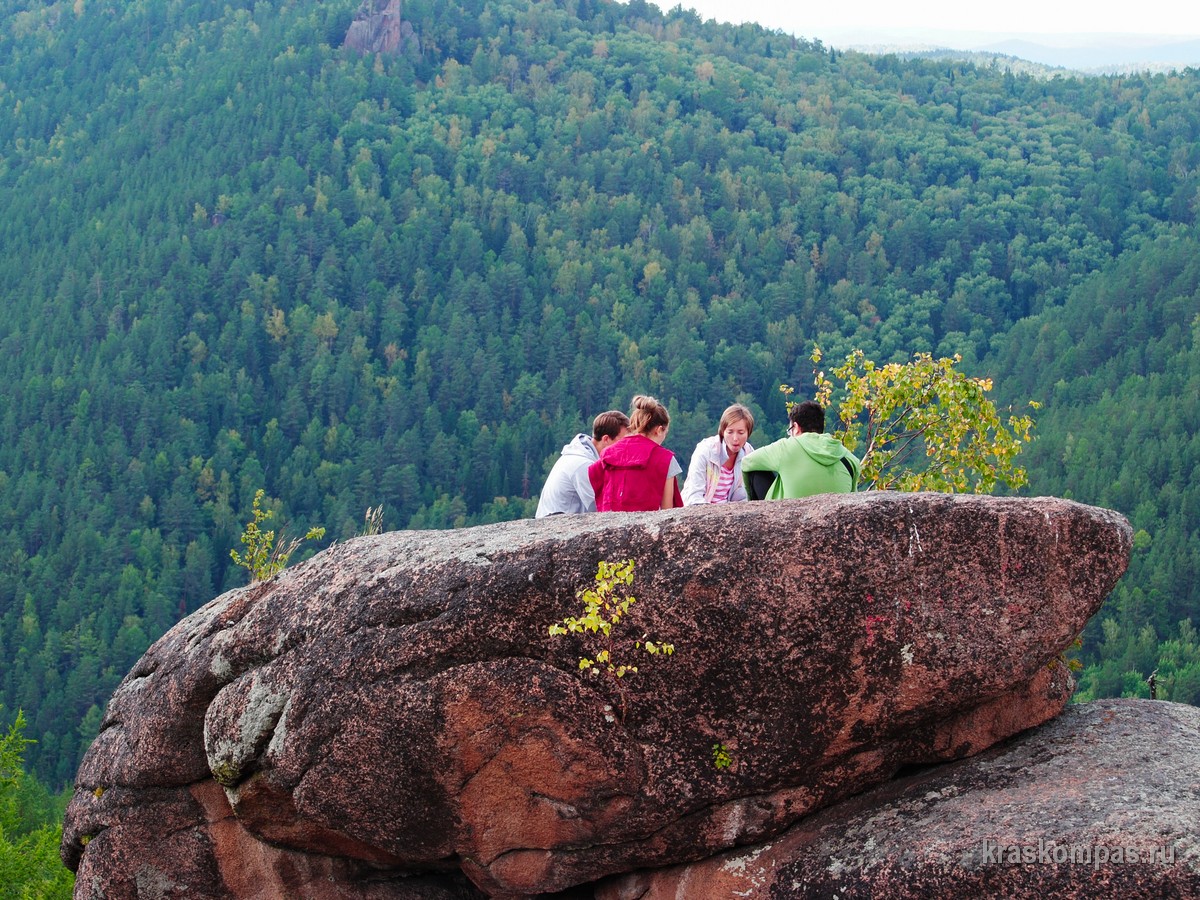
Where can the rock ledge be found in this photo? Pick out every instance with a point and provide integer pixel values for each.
(395, 706)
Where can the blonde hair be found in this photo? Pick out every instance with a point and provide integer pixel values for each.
(647, 415)
(733, 414)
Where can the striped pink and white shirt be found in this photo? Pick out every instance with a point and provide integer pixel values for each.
(724, 485)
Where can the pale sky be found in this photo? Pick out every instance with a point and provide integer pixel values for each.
(828, 19)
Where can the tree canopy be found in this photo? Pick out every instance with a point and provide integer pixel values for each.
(922, 425)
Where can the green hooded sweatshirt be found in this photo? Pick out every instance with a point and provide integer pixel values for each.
(806, 464)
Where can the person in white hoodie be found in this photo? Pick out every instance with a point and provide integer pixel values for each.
(567, 488)
(715, 472)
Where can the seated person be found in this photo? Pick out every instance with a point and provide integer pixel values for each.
(567, 488)
(715, 472)
(804, 463)
(637, 473)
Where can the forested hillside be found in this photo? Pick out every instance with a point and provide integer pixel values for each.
(1119, 367)
(237, 256)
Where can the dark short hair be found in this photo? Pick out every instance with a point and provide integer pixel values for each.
(609, 424)
(809, 415)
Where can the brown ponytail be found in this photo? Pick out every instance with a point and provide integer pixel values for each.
(647, 415)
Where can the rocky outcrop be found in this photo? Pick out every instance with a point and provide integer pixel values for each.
(1102, 802)
(396, 705)
(378, 28)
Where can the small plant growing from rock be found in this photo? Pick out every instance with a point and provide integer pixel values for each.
(604, 606)
(722, 758)
(263, 558)
(372, 521)
(1066, 659)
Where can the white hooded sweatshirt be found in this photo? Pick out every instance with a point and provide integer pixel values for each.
(567, 488)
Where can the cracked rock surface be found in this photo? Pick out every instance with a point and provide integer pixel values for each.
(392, 718)
(1102, 802)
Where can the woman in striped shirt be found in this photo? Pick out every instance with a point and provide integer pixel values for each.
(715, 473)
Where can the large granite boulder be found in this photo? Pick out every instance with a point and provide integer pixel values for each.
(396, 705)
(1103, 802)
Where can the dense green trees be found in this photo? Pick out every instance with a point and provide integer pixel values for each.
(30, 829)
(237, 256)
(1120, 368)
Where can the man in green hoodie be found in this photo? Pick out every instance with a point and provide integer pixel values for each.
(804, 463)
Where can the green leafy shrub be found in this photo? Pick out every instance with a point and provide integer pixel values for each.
(263, 558)
(922, 425)
(604, 606)
(722, 758)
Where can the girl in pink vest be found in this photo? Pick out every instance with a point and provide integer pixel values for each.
(637, 474)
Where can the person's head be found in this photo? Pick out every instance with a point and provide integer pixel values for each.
(805, 417)
(609, 427)
(649, 418)
(736, 426)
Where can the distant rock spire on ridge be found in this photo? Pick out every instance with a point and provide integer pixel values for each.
(378, 28)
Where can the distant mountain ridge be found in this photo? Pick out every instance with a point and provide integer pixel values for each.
(1095, 54)
(1105, 56)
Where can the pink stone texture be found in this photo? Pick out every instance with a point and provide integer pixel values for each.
(1103, 802)
(395, 707)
